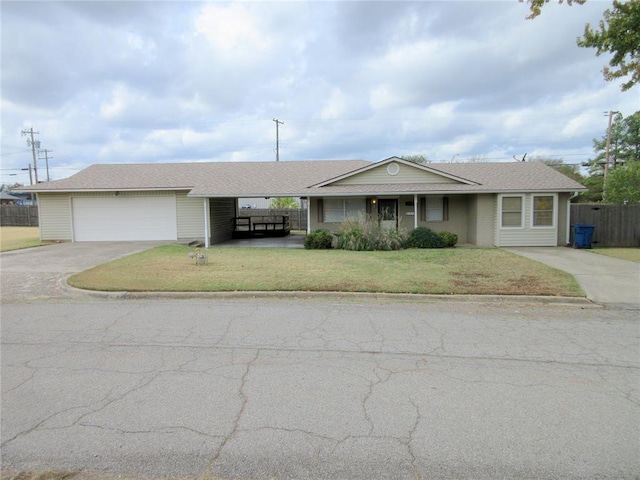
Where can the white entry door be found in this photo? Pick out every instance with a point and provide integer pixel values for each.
(124, 218)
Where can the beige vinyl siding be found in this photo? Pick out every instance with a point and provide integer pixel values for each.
(190, 217)
(313, 215)
(406, 174)
(527, 236)
(222, 211)
(563, 198)
(485, 220)
(406, 213)
(54, 210)
(458, 217)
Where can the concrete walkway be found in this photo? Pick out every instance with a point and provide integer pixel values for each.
(604, 279)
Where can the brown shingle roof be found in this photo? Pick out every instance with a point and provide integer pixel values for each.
(246, 179)
(214, 179)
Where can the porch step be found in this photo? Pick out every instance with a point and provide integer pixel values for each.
(194, 244)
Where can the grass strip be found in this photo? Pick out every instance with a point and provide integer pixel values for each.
(15, 238)
(630, 254)
(438, 271)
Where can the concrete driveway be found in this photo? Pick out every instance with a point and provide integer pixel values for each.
(604, 279)
(40, 272)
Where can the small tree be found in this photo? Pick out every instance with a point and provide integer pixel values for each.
(623, 184)
(280, 203)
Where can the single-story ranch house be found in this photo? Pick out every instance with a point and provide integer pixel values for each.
(485, 204)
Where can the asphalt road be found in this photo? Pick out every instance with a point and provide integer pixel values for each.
(262, 389)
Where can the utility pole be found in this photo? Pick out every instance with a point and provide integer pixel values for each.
(33, 144)
(46, 160)
(278, 123)
(30, 176)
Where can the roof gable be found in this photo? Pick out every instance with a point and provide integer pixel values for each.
(395, 171)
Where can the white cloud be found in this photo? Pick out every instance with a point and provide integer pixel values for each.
(176, 81)
(230, 28)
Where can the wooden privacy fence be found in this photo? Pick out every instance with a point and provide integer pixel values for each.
(297, 216)
(19, 215)
(615, 225)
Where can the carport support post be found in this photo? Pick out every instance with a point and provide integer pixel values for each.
(206, 223)
(308, 215)
(415, 210)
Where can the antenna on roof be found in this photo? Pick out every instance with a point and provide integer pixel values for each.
(520, 159)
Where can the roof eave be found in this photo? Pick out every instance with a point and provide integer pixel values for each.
(109, 189)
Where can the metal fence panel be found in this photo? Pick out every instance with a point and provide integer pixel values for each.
(615, 225)
(19, 215)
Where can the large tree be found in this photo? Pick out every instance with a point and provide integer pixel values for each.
(624, 150)
(417, 158)
(618, 33)
(623, 184)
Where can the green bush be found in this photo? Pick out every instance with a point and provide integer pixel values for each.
(362, 234)
(448, 239)
(423, 237)
(318, 239)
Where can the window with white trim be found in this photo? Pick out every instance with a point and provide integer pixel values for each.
(543, 208)
(512, 211)
(335, 210)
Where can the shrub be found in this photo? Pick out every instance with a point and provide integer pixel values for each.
(319, 239)
(448, 239)
(423, 237)
(362, 234)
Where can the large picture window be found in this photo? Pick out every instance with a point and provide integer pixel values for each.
(512, 212)
(335, 210)
(543, 210)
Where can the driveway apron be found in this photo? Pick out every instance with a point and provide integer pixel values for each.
(41, 272)
(604, 279)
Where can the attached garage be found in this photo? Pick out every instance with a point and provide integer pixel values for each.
(124, 218)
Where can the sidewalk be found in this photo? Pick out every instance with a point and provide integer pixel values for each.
(604, 279)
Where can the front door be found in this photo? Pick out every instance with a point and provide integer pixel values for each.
(388, 213)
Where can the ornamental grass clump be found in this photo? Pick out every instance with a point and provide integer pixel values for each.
(363, 234)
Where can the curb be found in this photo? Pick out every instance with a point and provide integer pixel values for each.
(341, 296)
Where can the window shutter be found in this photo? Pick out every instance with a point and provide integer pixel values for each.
(368, 206)
(423, 209)
(320, 211)
(445, 208)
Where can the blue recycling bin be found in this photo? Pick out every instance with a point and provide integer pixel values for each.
(582, 235)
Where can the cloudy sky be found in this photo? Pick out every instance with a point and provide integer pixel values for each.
(143, 82)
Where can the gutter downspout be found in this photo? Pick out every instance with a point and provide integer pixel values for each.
(575, 194)
(206, 223)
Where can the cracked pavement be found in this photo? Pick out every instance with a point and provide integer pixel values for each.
(315, 388)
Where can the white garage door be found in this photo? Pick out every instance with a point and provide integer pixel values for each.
(124, 218)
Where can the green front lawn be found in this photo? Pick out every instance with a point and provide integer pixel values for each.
(631, 254)
(14, 238)
(438, 271)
